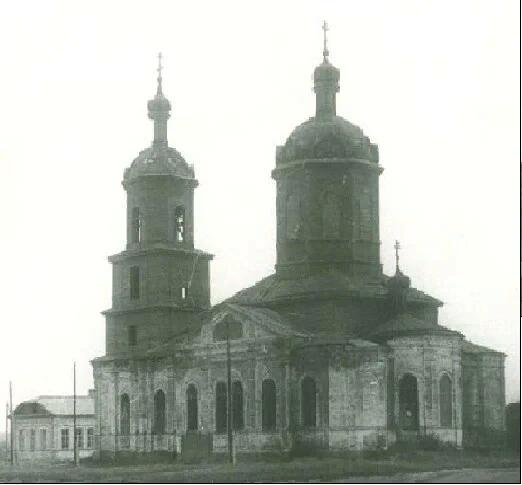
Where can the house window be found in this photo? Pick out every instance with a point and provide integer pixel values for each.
(445, 402)
(32, 440)
(79, 438)
(21, 440)
(408, 403)
(90, 438)
(64, 434)
(124, 415)
(134, 282)
(221, 407)
(192, 408)
(135, 225)
(159, 412)
(237, 406)
(308, 402)
(133, 335)
(179, 223)
(268, 398)
(43, 439)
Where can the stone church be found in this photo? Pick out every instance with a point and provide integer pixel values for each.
(326, 353)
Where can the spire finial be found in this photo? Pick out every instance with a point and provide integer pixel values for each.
(325, 46)
(397, 246)
(159, 69)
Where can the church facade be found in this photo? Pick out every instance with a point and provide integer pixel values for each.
(327, 353)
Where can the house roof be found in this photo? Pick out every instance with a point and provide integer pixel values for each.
(56, 405)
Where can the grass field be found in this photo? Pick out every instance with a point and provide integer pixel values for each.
(298, 469)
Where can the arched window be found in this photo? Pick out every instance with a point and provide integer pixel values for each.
(179, 223)
(159, 413)
(408, 403)
(293, 219)
(331, 217)
(268, 398)
(308, 401)
(445, 402)
(221, 407)
(192, 408)
(237, 405)
(135, 225)
(124, 415)
(233, 328)
(365, 216)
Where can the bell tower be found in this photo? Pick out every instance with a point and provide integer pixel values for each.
(160, 281)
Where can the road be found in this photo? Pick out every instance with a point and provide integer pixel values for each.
(466, 475)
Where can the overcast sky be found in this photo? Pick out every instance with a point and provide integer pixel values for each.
(435, 84)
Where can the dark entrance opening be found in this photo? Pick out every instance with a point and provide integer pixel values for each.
(192, 408)
(308, 402)
(408, 403)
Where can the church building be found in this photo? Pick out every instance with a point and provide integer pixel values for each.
(326, 353)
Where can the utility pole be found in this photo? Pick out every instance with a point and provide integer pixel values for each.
(6, 431)
(11, 434)
(75, 441)
(229, 398)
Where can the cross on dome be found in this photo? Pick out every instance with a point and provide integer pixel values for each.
(159, 69)
(325, 44)
(397, 246)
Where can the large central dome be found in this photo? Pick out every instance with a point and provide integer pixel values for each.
(332, 137)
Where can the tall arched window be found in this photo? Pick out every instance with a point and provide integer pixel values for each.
(124, 415)
(179, 223)
(159, 413)
(237, 405)
(331, 217)
(408, 403)
(445, 401)
(365, 215)
(308, 401)
(135, 225)
(221, 407)
(268, 398)
(293, 217)
(192, 408)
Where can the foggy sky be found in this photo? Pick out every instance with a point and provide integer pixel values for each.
(435, 84)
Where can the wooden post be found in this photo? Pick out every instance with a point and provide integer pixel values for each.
(6, 431)
(75, 444)
(11, 428)
(229, 398)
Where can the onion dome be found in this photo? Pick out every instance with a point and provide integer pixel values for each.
(159, 158)
(327, 135)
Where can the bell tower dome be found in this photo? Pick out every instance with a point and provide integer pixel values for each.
(327, 176)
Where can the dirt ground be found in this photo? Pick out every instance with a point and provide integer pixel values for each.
(467, 475)
(404, 467)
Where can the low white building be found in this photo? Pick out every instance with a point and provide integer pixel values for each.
(43, 428)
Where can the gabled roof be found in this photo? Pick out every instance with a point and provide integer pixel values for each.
(407, 324)
(271, 290)
(56, 406)
(270, 320)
